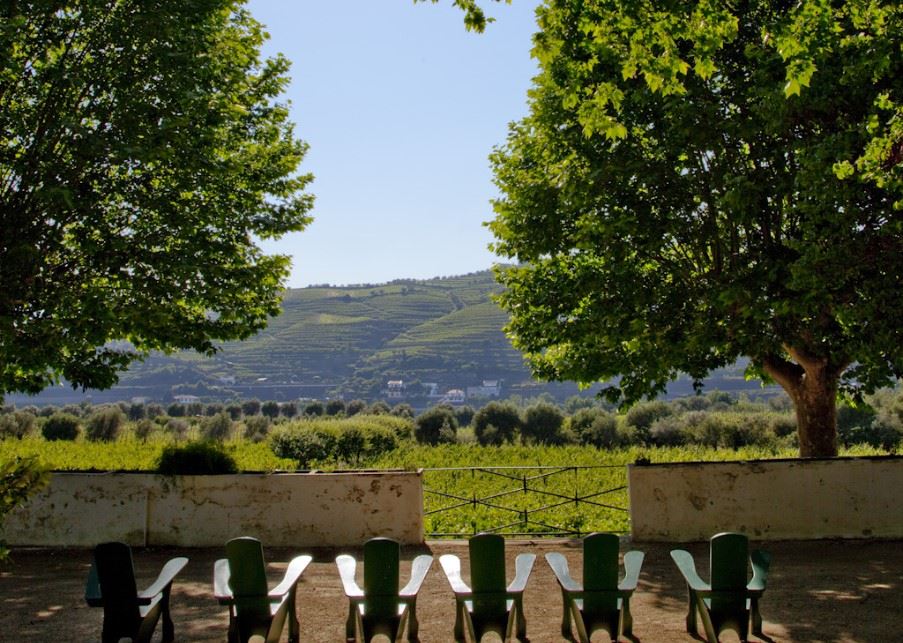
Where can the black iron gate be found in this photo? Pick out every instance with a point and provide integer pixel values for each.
(525, 500)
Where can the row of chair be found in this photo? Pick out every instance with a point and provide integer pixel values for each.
(488, 604)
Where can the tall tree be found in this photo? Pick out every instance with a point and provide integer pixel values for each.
(698, 181)
(142, 153)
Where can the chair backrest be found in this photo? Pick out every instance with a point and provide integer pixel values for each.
(116, 576)
(487, 574)
(381, 577)
(247, 577)
(728, 562)
(600, 571)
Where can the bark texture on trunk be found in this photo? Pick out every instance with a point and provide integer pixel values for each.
(812, 385)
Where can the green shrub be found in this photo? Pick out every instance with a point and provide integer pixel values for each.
(854, 423)
(145, 428)
(542, 424)
(381, 440)
(692, 403)
(884, 432)
(214, 408)
(314, 409)
(732, 430)
(349, 440)
(218, 427)
(643, 415)
(671, 430)
(301, 445)
(378, 408)
(105, 424)
(47, 411)
(18, 424)
(351, 445)
(497, 422)
(61, 426)
(604, 433)
(234, 411)
(177, 428)
(289, 409)
(196, 458)
(175, 410)
(257, 428)
(464, 414)
(403, 410)
(782, 424)
(137, 412)
(154, 411)
(354, 407)
(250, 407)
(436, 426)
(337, 407)
(270, 409)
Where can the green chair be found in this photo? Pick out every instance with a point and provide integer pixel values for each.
(489, 606)
(240, 582)
(729, 602)
(380, 607)
(128, 613)
(600, 603)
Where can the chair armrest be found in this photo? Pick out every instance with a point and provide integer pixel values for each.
(419, 568)
(633, 562)
(167, 575)
(559, 565)
(523, 564)
(760, 561)
(92, 588)
(295, 568)
(221, 574)
(451, 565)
(687, 567)
(347, 565)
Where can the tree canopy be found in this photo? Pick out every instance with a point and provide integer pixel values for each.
(143, 151)
(699, 181)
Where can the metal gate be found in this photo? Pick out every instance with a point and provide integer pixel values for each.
(525, 500)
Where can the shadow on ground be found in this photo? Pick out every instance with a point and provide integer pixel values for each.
(828, 591)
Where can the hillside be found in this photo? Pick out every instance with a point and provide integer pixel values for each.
(353, 339)
(350, 341)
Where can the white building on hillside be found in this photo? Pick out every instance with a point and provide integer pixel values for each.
(489, 388)
(395, 389)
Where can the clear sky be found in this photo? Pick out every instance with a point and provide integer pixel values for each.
(401, 107)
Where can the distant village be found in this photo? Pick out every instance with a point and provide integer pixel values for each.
(396, 391)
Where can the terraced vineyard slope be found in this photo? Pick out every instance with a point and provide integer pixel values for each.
(445, 331)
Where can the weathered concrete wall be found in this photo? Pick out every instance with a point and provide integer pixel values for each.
(297, 509)
(768, 499)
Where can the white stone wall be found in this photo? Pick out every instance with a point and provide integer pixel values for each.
(281, 509)
(768, 500)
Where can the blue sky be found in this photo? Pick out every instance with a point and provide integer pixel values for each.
(401, 107)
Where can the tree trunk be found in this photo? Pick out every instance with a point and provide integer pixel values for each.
(812, 385)
(816, 417)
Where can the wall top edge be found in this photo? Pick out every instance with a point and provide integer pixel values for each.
(256, 474)
(800, 461)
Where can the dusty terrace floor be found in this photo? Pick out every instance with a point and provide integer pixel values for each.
(818, 591)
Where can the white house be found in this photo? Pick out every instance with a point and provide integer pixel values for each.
(187, 399)
(453, 396)
(395, 389)
(489, 388)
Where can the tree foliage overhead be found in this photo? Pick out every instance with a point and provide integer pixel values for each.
(142, 152)
(702, 180)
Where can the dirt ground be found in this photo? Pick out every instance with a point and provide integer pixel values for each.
(829, 591)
